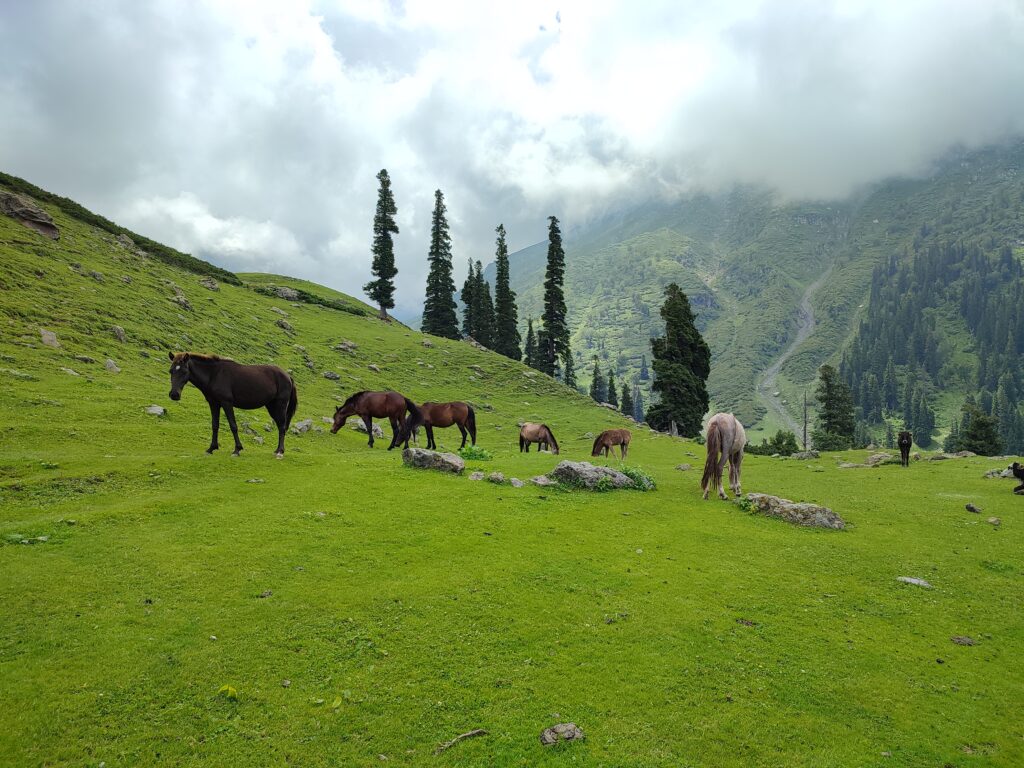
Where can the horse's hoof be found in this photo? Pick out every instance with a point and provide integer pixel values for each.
(236, 453)
(278, 455)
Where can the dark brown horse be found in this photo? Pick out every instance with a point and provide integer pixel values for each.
(612, 437)
(229, 385)
(904, 441)
(444, 415)
(381, 405)
(536, 433)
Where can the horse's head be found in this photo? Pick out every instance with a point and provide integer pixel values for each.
(341, 413)
(179, 373)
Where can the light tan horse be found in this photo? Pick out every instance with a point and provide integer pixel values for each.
(610, 438)
(536, 433)
(725, 441)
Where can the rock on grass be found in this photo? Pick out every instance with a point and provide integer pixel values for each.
(424, 459)
(798, 513)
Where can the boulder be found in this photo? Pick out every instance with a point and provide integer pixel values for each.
(302, 426)
(359, 426)
(331, 375)
(111, 366)
(587, 475)
(798, 513)
(424, 459)
(346, 346)
(496, 477)
(477, 476)
(999, 473)
(543, 481)
(879, 458)
(25, 210)
(118, 332)
(561, 732)
(285, 326)
(49, 338)
(805, 455)
(915, 581)
(516, 482)
(155, 410)
(209, 283)
(286, 293)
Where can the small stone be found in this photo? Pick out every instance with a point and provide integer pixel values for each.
(265, 593)
(994, 521)
(209, 283)
(373, 368)
(303, 426)
(84, 359)
(915, 581)
(477, 476)
(49, 338)
(286, 293)
(118, 332)
(683, 467)
(805, 455)
(155, 410)
(543, 481)
(70, 371)
(111, 366)
(126, 279)
(561, 732)
(963, 640)
(255, 480)
(286, 683)
(331, 375)
(213, 637)
(285, 326)
(972, 508)
(428, 343)
(346, 346)
(496, 477)
(279, 311)
(516, 482)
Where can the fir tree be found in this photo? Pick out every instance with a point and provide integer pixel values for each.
(506, 320)
(613, 396)
(382, 290)
(530, 347)
(470, 303)
(644, 375)
(484, 309)
(836, 428)
(569, 372)
(682, 363)
(598, 387)
(626, 406)
(638, 404)
(439, 316)
(553, 340)
(981, 435)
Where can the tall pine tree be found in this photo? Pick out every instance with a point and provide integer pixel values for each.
(470, 303)
(626, 406)
(382, 290)
(613, 396)
(682, 363)
(530, 348)
(506, 316)
(439, 316)
(836, 426)
(484, 309)
(638, 404)
(598, 387)
(553, 341)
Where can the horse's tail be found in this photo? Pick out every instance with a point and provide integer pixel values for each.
(413, 421)
(711, 470)
(471, 423)
(293, 402)
(552, 436)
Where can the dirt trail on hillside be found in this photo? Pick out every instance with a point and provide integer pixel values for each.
(805, 323)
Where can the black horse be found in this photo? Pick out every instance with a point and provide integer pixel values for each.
(904, 441)
(229, 385)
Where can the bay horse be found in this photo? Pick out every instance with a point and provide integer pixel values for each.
(904, 441)
(610, 438)
(725, 441)
(536, 433)
(444, 415)
(229, 385)
(380, 405)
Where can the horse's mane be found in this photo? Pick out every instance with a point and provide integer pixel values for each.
(353, 397)
(203, 358)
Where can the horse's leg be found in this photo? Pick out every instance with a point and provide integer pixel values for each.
(229, 411)
(431, 444)
(368, 421)
(279, 413)
(396, 425)
(624, 449)
(720, 466)
(215, 418)
(462, 429)
(735, 463)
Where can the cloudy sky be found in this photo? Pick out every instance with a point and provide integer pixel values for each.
(249, 132)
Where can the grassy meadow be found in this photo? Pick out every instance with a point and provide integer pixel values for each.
(336, 608)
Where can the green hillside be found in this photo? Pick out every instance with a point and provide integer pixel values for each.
(362, 612)
(746, 260)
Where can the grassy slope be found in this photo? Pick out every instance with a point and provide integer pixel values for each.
(427, 605)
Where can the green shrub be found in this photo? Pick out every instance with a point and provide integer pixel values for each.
(475, 453)
(644, 482)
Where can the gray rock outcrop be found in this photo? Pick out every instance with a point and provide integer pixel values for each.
(424, 459)
(26, 211)
(798, 513)
(586, 475)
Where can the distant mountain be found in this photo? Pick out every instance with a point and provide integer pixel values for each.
(746, 259)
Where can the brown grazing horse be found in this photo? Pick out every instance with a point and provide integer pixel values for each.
(380, 405)
(904, 441)
(229, 385)
(725, 441)
(444, 415)
(536, 433)
(610, 438)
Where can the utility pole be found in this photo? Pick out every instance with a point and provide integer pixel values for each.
(805, 419)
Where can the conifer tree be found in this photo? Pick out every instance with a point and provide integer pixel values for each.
(836, 425)
(506, 316)
(553, 340)
(981, 435)
(644, 374)
(382, 290)
(682, 363)
(626, 406)
(439, 316)
(484, 309)
(638, 404)
(569, 372)
(530, 347)
(470, 302)
(598, 387)
(613, 396)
